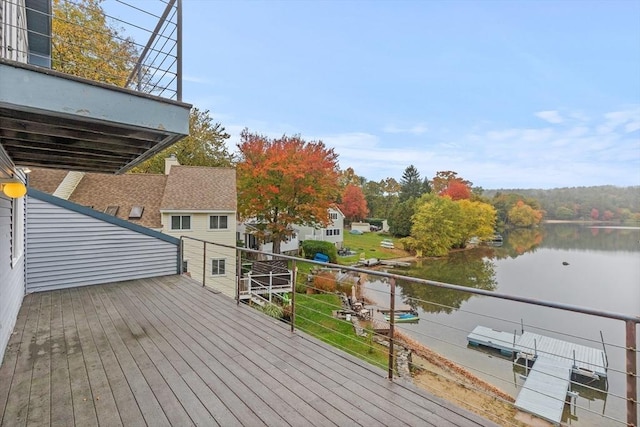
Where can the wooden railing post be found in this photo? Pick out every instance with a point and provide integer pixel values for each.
(632, 370)
(294, 277)
(392, 320)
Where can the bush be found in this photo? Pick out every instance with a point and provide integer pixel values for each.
(325, 281)
(312, 247)
(273, 310)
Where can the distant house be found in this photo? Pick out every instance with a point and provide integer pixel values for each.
(332, 233)
(191, 201)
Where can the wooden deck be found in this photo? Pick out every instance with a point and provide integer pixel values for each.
(165, 351)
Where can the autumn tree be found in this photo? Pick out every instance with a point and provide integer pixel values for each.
(457, 190)
(441, 181)
(285, 182)
(523, 215)
(353, 205)
(85, 44)
(205, 146)
(381, 196)
(436, 225)
(477, 219)
(348, 176)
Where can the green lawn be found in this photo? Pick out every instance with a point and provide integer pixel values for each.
(369, 245)
(314, 316)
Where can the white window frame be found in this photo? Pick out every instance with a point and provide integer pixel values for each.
(181, 225)
(218, 222)
(224, 266)
(17, 230)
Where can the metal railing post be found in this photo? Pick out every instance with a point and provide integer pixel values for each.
(238, 274)
(392, 320)
(179, 52)
(270, 284)
(181, 256)
(632, 370)
(204, 261)
(294, 277)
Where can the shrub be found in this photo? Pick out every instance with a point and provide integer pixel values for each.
(325, 281)
(273, 310)
(312, 247)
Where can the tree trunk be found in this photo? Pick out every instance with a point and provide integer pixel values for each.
(277, 240)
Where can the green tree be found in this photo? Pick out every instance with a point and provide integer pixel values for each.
(477, 219)
(400, 221)
(205, 146)
(410, 184)
(436, 225)
(85, 44)
(285, 182)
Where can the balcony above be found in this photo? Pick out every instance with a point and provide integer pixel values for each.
(55, 120)
(90, 86)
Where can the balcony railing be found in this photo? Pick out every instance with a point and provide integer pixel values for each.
(352, 316)
(127, 43)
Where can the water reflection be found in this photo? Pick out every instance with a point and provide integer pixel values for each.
(468, 268)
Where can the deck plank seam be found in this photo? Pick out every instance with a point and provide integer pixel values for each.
(430, 413)
(203, 353)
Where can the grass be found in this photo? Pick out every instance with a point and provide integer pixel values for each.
(314, 316)
(369, 245)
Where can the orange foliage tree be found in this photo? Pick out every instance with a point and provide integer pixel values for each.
(285, 182)
(354, 204)
(457, 190)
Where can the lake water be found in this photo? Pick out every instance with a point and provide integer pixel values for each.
(586, 266)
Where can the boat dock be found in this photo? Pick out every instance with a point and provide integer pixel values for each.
(554, 361)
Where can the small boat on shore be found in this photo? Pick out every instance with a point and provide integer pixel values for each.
(401, 316)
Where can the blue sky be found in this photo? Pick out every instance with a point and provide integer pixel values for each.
(509, 94)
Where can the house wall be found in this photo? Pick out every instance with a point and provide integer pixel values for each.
(13, 30)
(193, 251)
(11, 270)
(332, 233)
(69, 245)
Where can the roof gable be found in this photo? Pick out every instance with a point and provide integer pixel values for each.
(200, 188)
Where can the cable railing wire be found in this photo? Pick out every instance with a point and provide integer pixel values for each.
(304, 280)
(161, 74)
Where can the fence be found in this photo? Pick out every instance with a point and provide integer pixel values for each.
(332, 301)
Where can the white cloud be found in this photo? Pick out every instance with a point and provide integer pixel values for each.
(417, 129)
(194, 79)
(551, 116)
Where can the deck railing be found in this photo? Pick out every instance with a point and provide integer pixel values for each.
(137, 45)
(328, 315)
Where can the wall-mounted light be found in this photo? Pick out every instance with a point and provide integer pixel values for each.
(13, 188)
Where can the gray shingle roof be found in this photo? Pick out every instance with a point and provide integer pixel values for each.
(185, 188)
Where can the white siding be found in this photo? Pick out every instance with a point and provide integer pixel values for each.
(11, 273)
(66, 249)
(194, 251)
(13, 30)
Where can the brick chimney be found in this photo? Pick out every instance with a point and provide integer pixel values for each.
(170, 161)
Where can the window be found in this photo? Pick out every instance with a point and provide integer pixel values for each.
(333, 232)
(17, 236)
(180, 222)
(218, 222)
(111, 210)
(217, 267)
(333, 215)
(136, 212)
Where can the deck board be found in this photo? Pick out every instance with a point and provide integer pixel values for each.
(165, 351)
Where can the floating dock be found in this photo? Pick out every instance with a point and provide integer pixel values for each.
(554, 361)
